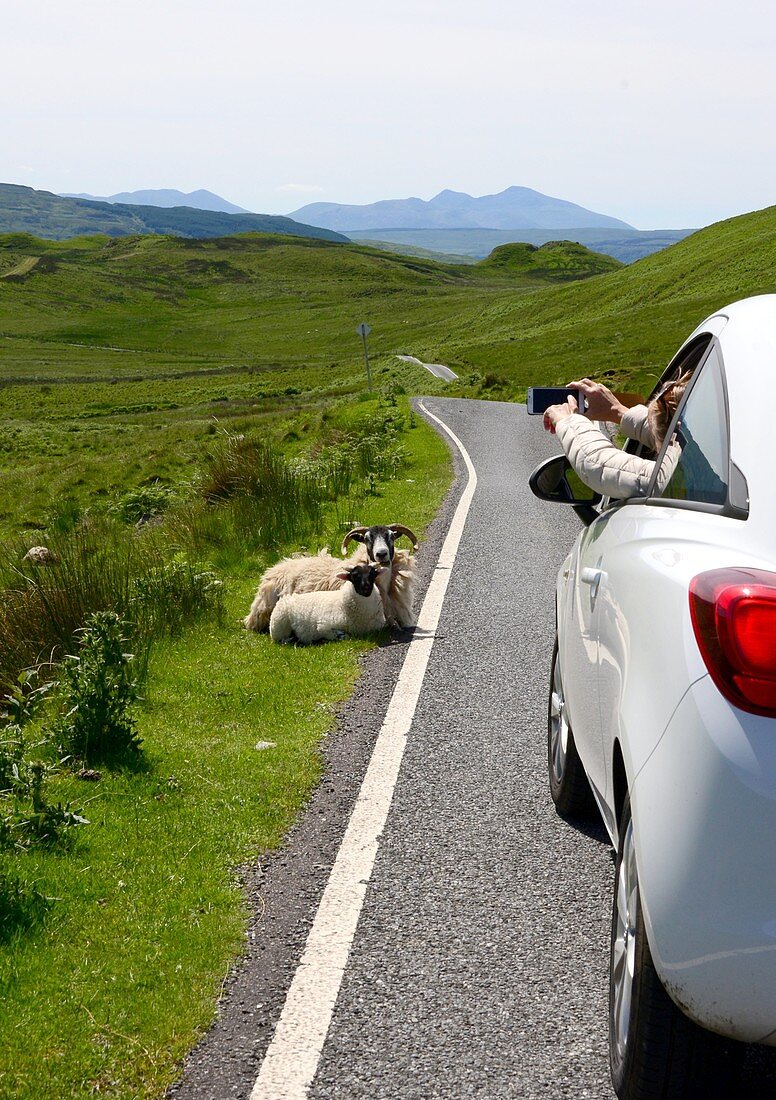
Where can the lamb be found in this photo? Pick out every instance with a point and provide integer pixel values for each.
(355, 608)
(320, 573)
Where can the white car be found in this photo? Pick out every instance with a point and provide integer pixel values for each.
(663, 715)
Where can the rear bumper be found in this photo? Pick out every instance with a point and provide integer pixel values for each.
(704, 811)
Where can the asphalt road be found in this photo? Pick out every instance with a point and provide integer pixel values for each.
(479, 966)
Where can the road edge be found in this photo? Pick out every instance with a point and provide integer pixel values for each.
(283, 889)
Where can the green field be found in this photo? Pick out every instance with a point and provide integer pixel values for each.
(118, 356)
(113, 954)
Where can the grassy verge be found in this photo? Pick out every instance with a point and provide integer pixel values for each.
(114, 953)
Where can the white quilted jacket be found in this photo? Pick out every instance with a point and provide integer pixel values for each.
(604, 467)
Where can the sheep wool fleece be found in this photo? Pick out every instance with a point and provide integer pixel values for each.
(604, 467)
(326, 616)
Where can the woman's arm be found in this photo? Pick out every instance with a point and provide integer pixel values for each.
(635, 425)
(603, 405)
(604, 467)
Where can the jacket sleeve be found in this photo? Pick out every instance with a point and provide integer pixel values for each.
(634, 424)
(604, 467)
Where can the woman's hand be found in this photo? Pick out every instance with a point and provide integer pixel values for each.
(559, 412)
(601, 402)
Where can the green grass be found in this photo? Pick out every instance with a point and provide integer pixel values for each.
(119, 355)
(108, 990)
(555, 261)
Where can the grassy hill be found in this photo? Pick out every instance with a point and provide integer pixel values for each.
(140, 343)
(120, 354)
(555, 261)
(623, 327)
(56, 217)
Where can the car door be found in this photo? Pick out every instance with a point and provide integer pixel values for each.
(578, 641)
(649, 551)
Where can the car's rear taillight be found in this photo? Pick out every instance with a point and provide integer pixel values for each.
(733, 614)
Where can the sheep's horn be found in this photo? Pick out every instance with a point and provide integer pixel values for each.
(400, 530)
(356, 531)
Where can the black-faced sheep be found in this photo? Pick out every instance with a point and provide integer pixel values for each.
(355, 608)
(321, 572)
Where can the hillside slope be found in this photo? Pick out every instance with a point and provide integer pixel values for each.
(624, 326)
(277, 303)
(272, 299)
(24, 210)
(139, 347)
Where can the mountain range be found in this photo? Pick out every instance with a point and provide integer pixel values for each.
(514, 208)
(167, 197)
(43, 214)
(452, 222)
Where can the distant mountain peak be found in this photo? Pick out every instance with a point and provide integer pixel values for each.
(447, 196)
(56, 217)
(514, 208)
(167, 198)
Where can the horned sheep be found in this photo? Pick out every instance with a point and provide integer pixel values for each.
(355, 608)
(321, 572)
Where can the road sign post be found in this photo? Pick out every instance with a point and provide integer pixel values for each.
(363, 331)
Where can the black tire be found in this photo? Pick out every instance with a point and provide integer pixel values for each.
(569, 786)
(655, 1051)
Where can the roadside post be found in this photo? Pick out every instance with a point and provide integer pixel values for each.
(363, 331)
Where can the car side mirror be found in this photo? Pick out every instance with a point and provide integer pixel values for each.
(555, 480)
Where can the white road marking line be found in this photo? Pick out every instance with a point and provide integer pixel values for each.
(292, 1057)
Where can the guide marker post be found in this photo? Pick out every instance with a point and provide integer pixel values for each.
(363, 331)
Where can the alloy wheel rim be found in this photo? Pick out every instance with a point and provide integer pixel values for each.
(559, 727)
(624, 945)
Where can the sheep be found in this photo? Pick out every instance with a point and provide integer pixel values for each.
(355, 608)
(320, 573)
(397, 584)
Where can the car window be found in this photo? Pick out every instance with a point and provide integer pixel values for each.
(687, 359)
(701, 472)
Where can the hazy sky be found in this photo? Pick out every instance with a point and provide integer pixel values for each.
(660, 113)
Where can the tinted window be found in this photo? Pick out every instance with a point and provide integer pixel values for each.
(701, 473)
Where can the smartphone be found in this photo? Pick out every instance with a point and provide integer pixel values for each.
(539, 398)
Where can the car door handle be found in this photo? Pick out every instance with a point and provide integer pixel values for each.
(591, 576)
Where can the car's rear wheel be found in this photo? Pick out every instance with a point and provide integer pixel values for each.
(655, 1051)
(569, 786)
